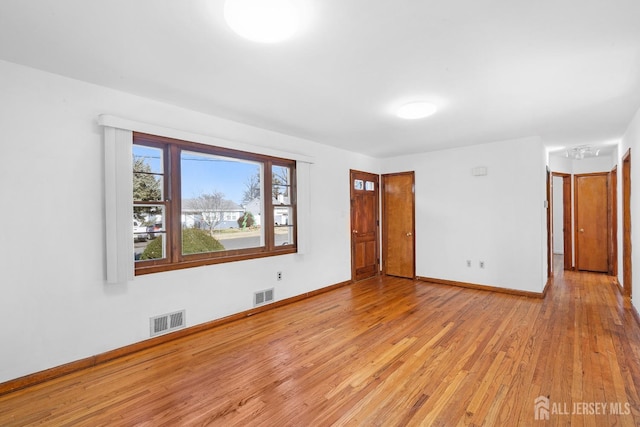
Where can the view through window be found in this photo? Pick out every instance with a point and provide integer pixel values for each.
(194, 204)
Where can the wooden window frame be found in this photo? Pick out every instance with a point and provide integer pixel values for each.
(174, 259)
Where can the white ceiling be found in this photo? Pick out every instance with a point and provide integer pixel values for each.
(566, 70)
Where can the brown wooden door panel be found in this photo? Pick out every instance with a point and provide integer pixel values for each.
(364, 225)
(592, 222)
(398, 224)
(366, 259)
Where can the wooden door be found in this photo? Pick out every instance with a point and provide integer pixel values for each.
(398, 229)
(365, 260)
(592, 222)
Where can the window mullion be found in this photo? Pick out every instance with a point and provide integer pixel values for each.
(268, 225)
(293, 194)
(174, 222)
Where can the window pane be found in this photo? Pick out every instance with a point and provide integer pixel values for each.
(281, 195)
(147, 174)
(282, 215)
(221, 203)
(149, 231)
(147, 159)
(281, 185)
(283, 236)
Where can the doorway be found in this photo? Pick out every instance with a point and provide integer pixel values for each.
(398, 225)
(561, 212)
(365, 243)
(592, 222)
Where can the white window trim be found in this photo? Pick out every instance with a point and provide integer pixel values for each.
(118, 147)
(135, 126)
(303, 205)
(118, 188)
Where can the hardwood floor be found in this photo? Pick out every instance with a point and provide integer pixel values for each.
(385, 351)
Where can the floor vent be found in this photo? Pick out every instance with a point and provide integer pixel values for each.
(167, 323)
(262, 297)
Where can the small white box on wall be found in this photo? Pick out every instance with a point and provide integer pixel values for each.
(479, 171)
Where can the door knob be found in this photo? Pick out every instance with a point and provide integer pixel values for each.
(409, 234)
(582, 230)
(355, 231)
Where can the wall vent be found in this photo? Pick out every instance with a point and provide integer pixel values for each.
(263, 297)
(167, 322)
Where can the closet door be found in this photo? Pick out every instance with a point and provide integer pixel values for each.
(398, 229)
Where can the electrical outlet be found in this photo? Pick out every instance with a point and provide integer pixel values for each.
(279, 275)
(481, 264)
(468, 263)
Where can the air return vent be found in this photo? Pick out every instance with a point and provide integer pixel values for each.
(263, 297)
(167, 322)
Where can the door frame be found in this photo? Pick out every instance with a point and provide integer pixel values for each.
(352, 222)
(613, 215)
(567, 213)
(626, 223)
(384, 232)
(549, 223)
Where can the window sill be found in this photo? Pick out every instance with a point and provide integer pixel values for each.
(141, 270)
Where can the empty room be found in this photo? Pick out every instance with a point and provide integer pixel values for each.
(315, 213)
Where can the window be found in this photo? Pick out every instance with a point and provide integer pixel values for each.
(195, 204)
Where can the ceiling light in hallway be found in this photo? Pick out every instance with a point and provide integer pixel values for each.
(582, 151)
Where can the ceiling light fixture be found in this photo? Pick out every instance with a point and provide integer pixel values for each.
(582, 151)
(263, 21)
(416, 110)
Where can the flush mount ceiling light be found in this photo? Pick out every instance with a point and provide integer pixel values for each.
(416, 110)
(263, 21)
(582, 151)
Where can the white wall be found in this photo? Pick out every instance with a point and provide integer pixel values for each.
(588, 165)
(631, 140)
(594, 164)
(560, 164)
(52, 255)
(498, 218)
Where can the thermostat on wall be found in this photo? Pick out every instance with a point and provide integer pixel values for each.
(479, 171)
